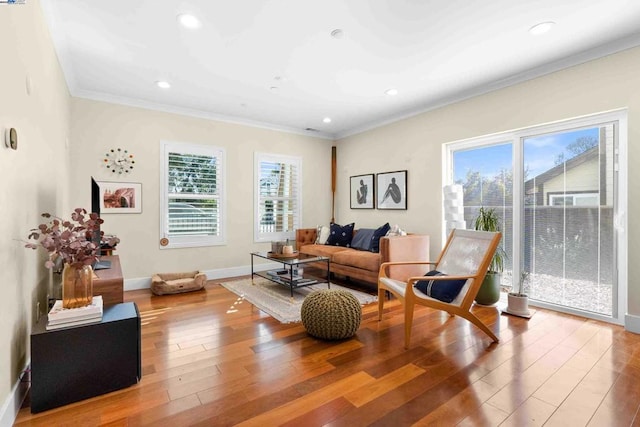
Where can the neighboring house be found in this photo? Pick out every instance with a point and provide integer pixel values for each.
(575, 182)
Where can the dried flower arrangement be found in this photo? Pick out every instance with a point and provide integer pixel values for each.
(70, 239)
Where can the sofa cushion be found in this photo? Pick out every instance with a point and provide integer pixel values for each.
(362, 239)
(396, 231)
(321, 250)
(377, 234)
(323, 234)
(360, 259)
(443, 290)
(341, 235)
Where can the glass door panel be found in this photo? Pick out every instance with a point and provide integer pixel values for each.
(568, 233)
(486, 176)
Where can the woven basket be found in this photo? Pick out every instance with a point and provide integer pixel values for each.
(331, 314)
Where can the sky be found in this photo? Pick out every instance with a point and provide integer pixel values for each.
(540, 153)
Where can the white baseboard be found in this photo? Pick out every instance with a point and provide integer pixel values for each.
(145, 282)
(11, 406)
(632, 323)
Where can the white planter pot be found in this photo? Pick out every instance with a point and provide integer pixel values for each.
(518, 305)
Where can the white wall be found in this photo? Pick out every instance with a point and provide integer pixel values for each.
(97, 127)
(34, 178)
(415, 144)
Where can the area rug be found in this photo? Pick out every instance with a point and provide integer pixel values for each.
(275, 299)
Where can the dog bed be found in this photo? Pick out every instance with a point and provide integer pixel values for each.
(175, 283)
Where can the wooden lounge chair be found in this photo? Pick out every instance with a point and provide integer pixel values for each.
(465, 259)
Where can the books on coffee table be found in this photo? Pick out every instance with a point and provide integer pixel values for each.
(285, 277)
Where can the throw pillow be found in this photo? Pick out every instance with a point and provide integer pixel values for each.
(363, 239)
(341, 235)
(396, 231)
(322, 235)
(377, 234)
(443, 290)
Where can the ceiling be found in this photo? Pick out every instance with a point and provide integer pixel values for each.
(275, 63)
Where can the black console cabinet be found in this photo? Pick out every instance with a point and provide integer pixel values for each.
(75, 363)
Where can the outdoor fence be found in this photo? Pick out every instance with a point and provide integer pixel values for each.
(572, 242)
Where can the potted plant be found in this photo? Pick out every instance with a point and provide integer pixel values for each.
(489, 293)
(72, 240)
(518, 302)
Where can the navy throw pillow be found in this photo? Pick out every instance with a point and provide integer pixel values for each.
(375, 240)
(341, 235)
(443, 290)
(362, 239)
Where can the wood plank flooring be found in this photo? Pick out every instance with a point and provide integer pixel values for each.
(211, 359)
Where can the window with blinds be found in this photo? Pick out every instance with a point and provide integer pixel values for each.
(192, 195)
(277, 196)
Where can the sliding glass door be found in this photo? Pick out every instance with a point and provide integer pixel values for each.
(556, 189)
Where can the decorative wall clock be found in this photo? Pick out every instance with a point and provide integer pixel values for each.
(119, 161)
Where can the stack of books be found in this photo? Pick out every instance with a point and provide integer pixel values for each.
(285, 277)
(64, 317)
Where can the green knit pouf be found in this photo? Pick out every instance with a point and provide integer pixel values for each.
(331, 314)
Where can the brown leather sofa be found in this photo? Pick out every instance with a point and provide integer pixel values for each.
(364, 265)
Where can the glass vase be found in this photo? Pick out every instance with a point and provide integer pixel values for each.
(77, 286)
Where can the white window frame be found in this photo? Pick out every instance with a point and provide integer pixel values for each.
(573, 196)
(620, 217)
(167, 147)
(260, 236)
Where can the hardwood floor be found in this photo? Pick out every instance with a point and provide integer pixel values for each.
(211, 359)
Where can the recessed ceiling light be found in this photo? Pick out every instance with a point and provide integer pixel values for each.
(163, 84)
(337, 33)
(541, 28)
(327, 120)
(189, 21)
(391, 92)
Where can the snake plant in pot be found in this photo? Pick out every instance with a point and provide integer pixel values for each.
(489, 293)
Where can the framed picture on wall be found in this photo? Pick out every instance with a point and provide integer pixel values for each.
(120, 197)
(391, 190)
(362, 191)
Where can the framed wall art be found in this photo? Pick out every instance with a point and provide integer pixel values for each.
(120, 197)
(362, 191)
(391, 190)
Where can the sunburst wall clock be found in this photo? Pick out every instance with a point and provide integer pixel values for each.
(119, 161)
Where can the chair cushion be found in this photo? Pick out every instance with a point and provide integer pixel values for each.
(341, 235)
(443, 290)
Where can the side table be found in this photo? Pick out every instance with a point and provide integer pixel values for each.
(75, 363)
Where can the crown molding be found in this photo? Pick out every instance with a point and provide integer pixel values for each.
(552, 67)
